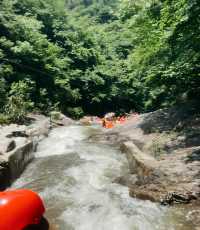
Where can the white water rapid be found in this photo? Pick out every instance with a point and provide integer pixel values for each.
(74, 176)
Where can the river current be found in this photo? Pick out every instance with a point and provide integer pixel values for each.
(74, 175)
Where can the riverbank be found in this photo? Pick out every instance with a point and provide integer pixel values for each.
(19, 142)
(17, 146)
(163, 150)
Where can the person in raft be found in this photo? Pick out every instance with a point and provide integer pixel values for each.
(108, 124)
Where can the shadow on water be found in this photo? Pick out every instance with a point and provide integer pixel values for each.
(44, 225)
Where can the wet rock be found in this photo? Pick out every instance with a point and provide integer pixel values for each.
(178, 198)
(6, 145)
(19, 158)
(17, 134)
(86, 120)
(194, 216)
(127, 180)
(4, 174)
(13, 130)
(152, 192)
(193, 139)
(17, 146)
(143, 165)
(172, 136)
(194, 156)
(60, 119)
(143, 195)
(21, 141)
(39, 128)
(177, 143)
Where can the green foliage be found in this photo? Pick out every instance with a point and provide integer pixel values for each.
(16, 109)
(2, 95)
(76, 112)
(4, 119)
(19, 102)
(55, 115)
(94, 56)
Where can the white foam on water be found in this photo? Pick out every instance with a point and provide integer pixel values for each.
(79, 192)
(102, 205)
(61, 140)
(105, 210)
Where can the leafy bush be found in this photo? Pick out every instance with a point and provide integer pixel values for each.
(4, 119)
(16, 109)
(76, 113)
(2, 95)
(19, 102)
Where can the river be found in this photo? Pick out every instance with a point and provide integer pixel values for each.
(74, 175)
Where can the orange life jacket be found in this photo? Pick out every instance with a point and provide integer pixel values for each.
(109, 125)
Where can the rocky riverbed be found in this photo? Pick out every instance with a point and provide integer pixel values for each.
(75, 177)
(163, 150)
(19, 142)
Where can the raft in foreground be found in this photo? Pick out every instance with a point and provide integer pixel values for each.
(19, 209)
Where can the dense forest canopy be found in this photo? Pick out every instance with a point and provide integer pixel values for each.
(94, 56)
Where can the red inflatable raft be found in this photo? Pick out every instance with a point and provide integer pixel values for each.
(19, 209)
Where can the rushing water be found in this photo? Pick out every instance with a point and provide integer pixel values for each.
(75, 177)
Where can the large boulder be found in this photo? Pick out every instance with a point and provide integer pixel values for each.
(39, 128)
(170, 180)
(60, 119)
(13, 130)
(143, 165)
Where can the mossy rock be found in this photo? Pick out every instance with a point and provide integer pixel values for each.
(55, 115)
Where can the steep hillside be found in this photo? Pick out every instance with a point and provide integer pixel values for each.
(94, 56)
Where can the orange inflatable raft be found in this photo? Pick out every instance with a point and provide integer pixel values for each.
(19, 209)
